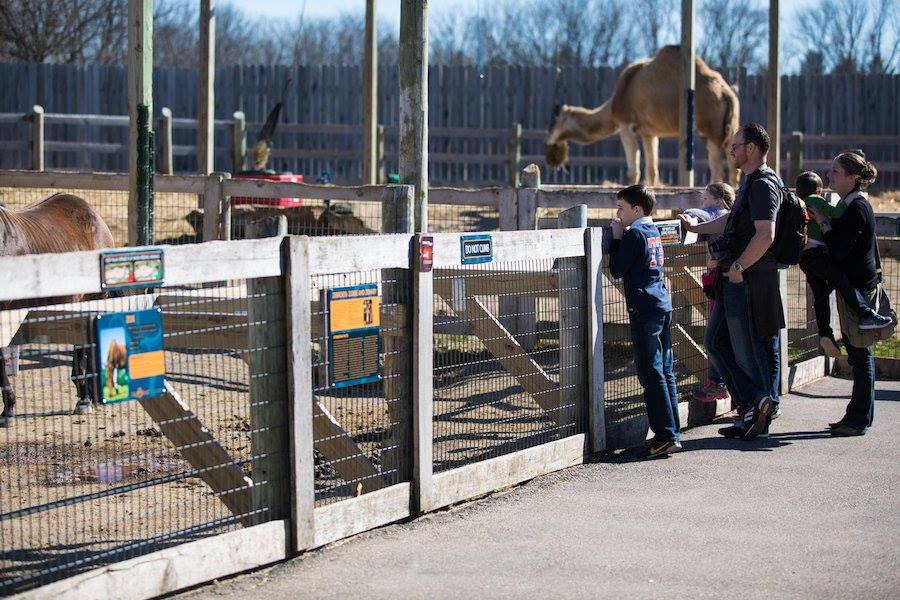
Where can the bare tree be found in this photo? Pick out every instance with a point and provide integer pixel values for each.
(734, 34)
(657, 23)
(68, 31)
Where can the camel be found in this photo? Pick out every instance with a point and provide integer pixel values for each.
(645, 104)
(115, 362)
(60, 223)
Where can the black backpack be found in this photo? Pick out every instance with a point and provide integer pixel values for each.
(790, 227)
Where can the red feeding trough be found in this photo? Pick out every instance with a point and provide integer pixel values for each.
(268, 176)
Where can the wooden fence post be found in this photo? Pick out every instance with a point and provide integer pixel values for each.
(515, 154)
(423, 386)
(526, 209)
(398, 216)
(796, 156)
(593, 261)
(238, 141)
(571, 325)
(379, 155)
(413, 67)
(267, 341)
(165, 141)
(216, 209)
(300, 397)
(37, 138)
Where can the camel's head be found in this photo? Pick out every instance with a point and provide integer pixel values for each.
(557, 149)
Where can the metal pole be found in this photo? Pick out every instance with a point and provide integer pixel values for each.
(773, 104)
(370, 97)
(140, 111)
(686, 104)
(414, 104)
(206, 76)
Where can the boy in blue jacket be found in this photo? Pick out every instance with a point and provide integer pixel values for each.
(636, 254)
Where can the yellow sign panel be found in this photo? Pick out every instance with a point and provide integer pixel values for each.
(147, 364)
(354, 309)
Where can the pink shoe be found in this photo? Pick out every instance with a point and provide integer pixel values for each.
(711, 391)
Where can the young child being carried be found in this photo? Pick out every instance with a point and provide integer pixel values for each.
(717, 198)
(822, 275)
(636, 255)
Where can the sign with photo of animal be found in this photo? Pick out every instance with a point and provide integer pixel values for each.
(130, 357)
(354, 335)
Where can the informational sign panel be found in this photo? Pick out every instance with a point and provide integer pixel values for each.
(354, 335)
(669, 231)
(131, 269)
(476, 249)
(130, 357)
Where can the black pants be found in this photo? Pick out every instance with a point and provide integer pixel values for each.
(823, 277)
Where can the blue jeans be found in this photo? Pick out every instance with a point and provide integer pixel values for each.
(861, 409)
(651, 336)
(749, 364)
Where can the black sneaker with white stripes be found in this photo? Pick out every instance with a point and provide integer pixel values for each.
(757, 419)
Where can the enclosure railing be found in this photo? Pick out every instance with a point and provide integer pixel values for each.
(253, 441)
(457, 155)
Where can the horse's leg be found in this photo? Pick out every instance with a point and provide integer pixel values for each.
(9, 397)
(80, 375)
(632, 153)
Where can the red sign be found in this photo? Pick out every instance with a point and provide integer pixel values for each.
(426, 253)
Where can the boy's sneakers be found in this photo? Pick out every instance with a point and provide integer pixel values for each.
(663, 447)
(732, 432)
(711, 391)
(757, 419)
(874, 321)
(830, 347)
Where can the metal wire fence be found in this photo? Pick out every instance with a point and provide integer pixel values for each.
(362, 430)
(891, 283)
(119, 480)
(509, 367)
(802, 332)
(176, 217)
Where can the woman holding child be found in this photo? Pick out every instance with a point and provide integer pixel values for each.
(849, 241)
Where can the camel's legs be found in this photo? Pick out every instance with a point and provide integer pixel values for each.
(632, 153)
(9, 397)
(716, 173)
(651, 160)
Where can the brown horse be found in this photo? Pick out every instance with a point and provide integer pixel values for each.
(60, 223)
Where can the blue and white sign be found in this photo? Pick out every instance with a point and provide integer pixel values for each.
(476, 249)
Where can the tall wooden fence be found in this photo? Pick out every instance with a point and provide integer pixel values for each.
(460, 98)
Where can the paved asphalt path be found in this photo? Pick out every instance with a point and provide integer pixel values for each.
(797, 515)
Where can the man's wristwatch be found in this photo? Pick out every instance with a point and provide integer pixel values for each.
(737, 267)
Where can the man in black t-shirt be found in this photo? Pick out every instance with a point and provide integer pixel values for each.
(746, 321)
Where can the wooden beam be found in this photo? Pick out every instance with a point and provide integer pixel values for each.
(165, 141)
(572, 318)
(486, 476)
(198, 447)
(206, 76)
(300, 396)
(342, 519)
(178, 567)
(140, 111)
(511, 355)
(238, 141)
(37, 138)
(423, 382)
(593, 244)
(338, 448)
(414, 104)
(370, 96)
(686, 97)
(773, 97)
